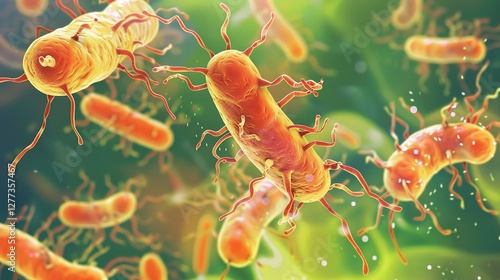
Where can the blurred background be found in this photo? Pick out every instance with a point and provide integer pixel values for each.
(358, 54)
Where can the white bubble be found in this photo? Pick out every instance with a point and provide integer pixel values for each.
(429, 267)
(374, 257)
(413, 109)
(360, 66)
(353, 203)
(324, 262)
(364, 238)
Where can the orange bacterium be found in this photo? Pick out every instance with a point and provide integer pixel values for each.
(407, 14)
(109, 212)
(239, 237)
(32, 8)
(424, 153)
(202, 244)
(281, 32)
(405, 18)
(149, 267)
(284, 35)
(465, 50)
(129, 124)
(10, 56)
(116, 209)
(152, 267)
(33, 260)
(264, 133)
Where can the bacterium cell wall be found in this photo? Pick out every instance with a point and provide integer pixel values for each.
(349, 63)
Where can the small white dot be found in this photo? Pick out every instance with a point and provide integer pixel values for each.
(353, 203)
(374, 257)
(413, 109)
(364, 238)
(429, 267)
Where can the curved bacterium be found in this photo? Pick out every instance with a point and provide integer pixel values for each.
(10, 56)
(424, 153)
